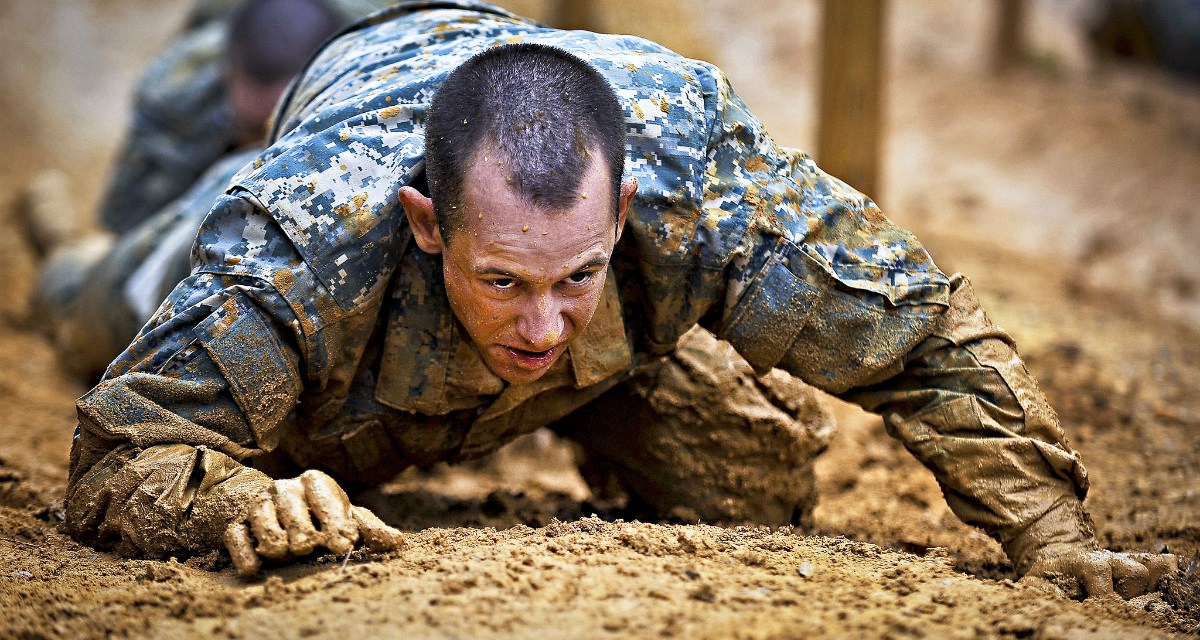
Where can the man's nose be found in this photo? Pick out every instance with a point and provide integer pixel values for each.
(541, 326)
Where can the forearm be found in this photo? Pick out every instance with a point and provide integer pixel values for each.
(211, 381)
(157, 464)
(966, 407)
(822, 285)
(155, 469)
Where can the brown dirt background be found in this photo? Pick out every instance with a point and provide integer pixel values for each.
(1067, 191)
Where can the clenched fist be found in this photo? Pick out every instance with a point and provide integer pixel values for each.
(1097, 572)
(297, 516)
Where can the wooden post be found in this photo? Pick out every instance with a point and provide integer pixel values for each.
(849, 119)
(1010, 35)
(575, 14)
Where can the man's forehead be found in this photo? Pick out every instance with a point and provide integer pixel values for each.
(490, 193)
(562, 235)
(540, 254)
(499, 230)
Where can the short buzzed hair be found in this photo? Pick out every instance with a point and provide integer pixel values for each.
(541, 109)
(270, 41)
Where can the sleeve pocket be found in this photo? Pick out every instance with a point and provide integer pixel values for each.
(262, 375)
(771, 314)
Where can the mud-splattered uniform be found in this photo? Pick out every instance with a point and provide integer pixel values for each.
(182, 121)
(313, 327)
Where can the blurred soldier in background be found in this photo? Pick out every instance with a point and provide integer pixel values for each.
(211, 92)
(201, 113)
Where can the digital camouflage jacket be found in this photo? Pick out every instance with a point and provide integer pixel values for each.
(312, 325)
(182, 122)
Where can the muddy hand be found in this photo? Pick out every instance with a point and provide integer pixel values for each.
(1100, 572)
(298, 516)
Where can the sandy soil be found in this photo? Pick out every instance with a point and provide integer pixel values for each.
(1068, 196)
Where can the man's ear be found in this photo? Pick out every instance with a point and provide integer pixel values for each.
(422, 220)
(628, 190)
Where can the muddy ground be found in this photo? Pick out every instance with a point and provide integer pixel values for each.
(1066, 192)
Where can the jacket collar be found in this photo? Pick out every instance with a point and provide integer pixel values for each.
(430, 366)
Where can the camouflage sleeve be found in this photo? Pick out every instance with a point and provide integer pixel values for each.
(966, 407)
(209, 382)
(825, 287)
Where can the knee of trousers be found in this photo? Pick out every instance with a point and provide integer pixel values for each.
(79, 302)
(64, 273)
(701, 437)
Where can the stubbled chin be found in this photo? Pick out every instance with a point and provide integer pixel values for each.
(519, 376)
(525, 378)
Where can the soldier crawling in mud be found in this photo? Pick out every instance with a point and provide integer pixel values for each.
(469, 226)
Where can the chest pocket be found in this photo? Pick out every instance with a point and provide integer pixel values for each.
(420, 340)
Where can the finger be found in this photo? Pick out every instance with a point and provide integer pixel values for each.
(1130, 578)
(1064, 573)
(241, 549)
(331, 505)
(1096, 575)
(264, 524)
(1160, 565)
(292, 509)
(377, 535)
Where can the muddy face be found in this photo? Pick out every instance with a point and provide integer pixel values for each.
(524, 281)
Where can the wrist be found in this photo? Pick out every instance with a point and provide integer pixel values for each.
(1064, 528)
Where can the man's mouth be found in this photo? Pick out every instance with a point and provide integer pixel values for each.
(532, 360)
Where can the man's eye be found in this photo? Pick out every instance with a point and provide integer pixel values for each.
(503, 283)
(583, 277)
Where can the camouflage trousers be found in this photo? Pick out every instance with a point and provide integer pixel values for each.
(698, 436)
(93, 297)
